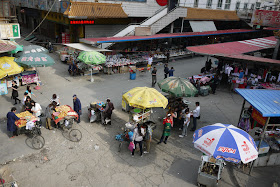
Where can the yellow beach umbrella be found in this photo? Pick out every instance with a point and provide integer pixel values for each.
(9, 66)
(144, 97)
(2, 74)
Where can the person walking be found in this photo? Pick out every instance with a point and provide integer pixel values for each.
(30, 93)
(148, 138)
(166, 71)
(11, 122)
(186, 123)
(150, 61)
(196, 114)
(15, 92)
(167, 122)
(77, 107)
(167, 56)
(154, 77)
(171, 72)
(214, 84)
(108, 111)
(138, 135)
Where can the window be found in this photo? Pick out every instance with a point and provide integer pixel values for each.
(245, 6)
(195, 3)
(209, 4)
(237, 6)
(258, 5)
(252, 6)
(220, 3)
(227, 4)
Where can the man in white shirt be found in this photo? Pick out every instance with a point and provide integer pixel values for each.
(196, 114)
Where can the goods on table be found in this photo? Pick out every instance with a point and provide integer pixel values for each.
(138, 115)
(63, 110)
(24, 118)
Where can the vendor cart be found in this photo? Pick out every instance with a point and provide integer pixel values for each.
(29, 125)
(140, 115)
(209, 172)
(64, 118)
(96, 112)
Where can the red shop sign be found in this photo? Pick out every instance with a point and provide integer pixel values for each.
(82, 22)
(258, 117)
(266, 18)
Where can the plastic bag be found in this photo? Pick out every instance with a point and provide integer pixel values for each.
(131, 146)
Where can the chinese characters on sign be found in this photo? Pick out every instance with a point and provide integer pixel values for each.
(266, 18)
(9, 30)
(258, 117)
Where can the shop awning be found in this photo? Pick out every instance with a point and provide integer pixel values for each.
(203, 26)
(237, 49)
(210, 14)
(7, 45)
(267, 102)
(88, 10)
(85, 47)
(162, 36)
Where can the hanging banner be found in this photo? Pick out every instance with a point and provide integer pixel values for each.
(258, 117)
(267, 18)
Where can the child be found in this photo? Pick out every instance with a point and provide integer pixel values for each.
(171, 72)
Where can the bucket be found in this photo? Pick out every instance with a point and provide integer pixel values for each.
(132, 76)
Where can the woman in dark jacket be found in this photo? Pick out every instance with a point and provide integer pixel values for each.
(15, 92)
(11, 122)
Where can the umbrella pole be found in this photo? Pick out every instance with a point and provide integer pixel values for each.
(262, 137)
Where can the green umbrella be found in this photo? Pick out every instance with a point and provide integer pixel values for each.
(92, 57)
(18, 48)
(35, 60)
(34, 49)
(178, 87)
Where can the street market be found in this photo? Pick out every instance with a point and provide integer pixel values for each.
(147, 98)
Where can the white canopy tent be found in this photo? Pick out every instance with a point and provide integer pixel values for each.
(85, 47)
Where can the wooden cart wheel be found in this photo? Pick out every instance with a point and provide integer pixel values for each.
(75, 135)
(38, 142)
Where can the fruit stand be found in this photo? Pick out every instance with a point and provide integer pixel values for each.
(28, 124)
(64, 118)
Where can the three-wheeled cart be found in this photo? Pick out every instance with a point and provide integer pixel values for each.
(29, 125)
(64, 118)
(209, 172)
(96, 113)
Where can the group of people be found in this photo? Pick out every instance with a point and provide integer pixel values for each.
(27, 105)
(144, 132)
(183, 121)
(168, 71)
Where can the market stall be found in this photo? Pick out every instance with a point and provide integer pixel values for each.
(64, 117)
(264, 113)
(29, 124)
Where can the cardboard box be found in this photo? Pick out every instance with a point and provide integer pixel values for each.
(124, 69)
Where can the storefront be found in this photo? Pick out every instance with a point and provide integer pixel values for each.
(241, 66)
(265, 111)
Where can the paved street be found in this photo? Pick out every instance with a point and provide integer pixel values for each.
(95, 161)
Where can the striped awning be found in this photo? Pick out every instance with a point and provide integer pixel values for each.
(87, 10)
(210, 14)
(7, 45)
